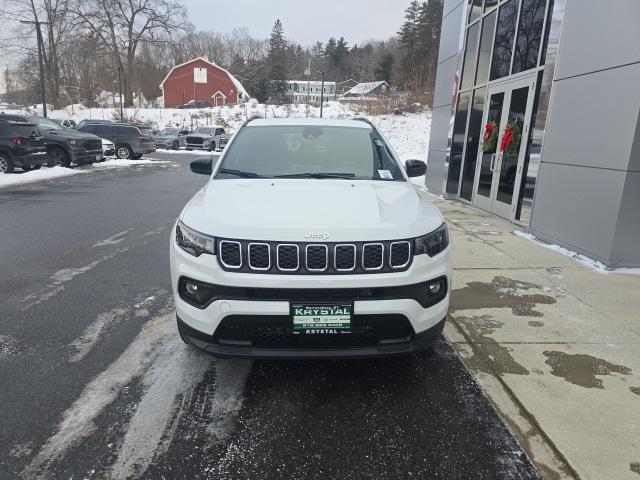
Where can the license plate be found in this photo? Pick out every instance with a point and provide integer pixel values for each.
(321, 318)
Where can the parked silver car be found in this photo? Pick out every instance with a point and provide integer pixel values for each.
(171, 138)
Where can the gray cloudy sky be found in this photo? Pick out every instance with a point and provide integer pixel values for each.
(304, 21)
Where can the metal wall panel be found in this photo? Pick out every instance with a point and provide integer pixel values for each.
(436, 170)
(599, 35)
(445, 82)
(593, 119)
(450, 5)
(440, 128)
(450, 35)
(577, 207)
(626, 251)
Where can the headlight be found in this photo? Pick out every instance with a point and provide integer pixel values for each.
(72, 142)
(434, 242)
(193, 242)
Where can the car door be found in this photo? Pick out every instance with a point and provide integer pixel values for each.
(104, 131)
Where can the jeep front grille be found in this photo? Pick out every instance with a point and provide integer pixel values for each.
(314, 258)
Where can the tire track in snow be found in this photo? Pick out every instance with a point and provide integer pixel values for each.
(170, 372)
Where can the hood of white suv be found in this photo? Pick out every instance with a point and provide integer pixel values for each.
(311, 210)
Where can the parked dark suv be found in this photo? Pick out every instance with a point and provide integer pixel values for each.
(21, 145)
(64, 146)
(131, 141)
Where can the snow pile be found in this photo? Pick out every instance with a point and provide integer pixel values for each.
(582, 259)
(7, 179)
(117, 163)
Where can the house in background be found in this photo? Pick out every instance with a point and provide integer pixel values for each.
(300, 91)
(346, 85)
(368, 90)
(200, 80)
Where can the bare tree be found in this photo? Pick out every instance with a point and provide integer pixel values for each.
(122, 26)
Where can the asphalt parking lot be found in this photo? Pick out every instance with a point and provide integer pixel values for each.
(96, 383)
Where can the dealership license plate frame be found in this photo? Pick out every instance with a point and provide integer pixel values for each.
(335, 322)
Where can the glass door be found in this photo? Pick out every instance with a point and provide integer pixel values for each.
(503, 147)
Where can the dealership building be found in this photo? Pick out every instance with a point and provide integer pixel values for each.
(536, 119)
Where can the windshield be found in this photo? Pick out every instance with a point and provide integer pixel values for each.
(47, 124)
(169, 131)
(310, 152)
(205, 130)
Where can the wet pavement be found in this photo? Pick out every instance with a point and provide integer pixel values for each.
(553, 343)
(96, 383)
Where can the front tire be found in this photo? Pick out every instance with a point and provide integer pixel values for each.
(59, 158)
(6, 165)
(124, 152)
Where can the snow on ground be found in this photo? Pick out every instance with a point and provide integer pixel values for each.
(118, 163)
(7, 179)
(582, 259)
(19, 178)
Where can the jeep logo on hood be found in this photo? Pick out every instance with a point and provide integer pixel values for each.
(317, 235)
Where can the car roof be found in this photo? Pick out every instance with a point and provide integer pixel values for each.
(303, 122)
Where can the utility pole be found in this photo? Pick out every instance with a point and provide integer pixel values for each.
(120, 92)
(322, 96)
(308, 74)
(40, 54)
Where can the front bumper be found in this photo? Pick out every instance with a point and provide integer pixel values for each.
(81, 156)
(420, 342)
(199, 324)
(31, 159)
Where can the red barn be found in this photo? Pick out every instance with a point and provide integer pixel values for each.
(203, 81)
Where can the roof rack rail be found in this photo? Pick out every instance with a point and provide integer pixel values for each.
(250, 119)
(365, 120)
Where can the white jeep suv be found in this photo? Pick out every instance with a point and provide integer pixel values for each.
(309, 241)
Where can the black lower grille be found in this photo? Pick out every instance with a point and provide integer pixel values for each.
(92, 144)
(275, 332)
(195, 140)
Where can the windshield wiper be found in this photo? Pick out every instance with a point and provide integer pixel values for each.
(318, 175)
(240, 173)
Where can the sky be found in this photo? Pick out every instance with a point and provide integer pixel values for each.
(304, 21)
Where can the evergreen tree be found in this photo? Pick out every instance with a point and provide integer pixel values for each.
(277, 59)
(385, 68)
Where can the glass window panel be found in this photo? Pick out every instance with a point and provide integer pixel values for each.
(505, 32)
(529, 35)
(470, 56)
(457, 142)
(494, 115)
(533, 155)
(473, 142)
(489, 4)
(486, 42)
(510, 156)
(475, 9)
(543, 55)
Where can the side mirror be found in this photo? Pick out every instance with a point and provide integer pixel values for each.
(202, 166)
(415, 168)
